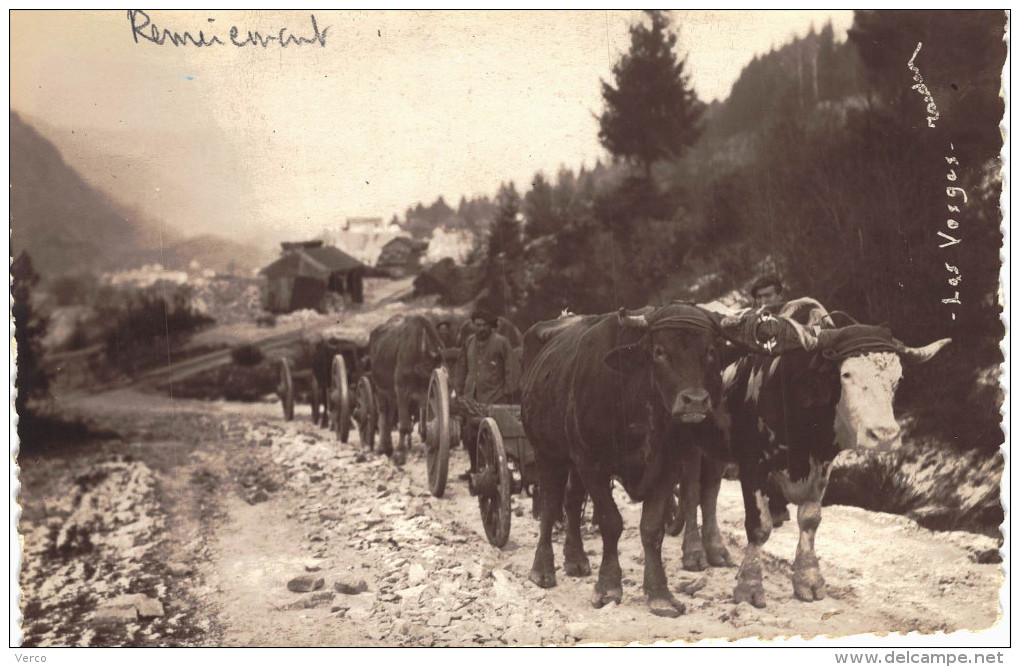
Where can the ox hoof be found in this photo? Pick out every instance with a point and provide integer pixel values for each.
(695, 561)
(601, 599)
(577, 568)
(666, 607)
(752, 593)
(719, 557)
(543, 579)
(400, 457)
(808, 585)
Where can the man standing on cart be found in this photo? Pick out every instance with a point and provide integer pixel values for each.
(482, 378)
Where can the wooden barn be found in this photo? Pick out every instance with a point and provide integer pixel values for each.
(306, 273)
(402, 256)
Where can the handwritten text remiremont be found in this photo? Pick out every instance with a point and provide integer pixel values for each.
(143, 28)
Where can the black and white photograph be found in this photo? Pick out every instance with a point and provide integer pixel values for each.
(520, 328)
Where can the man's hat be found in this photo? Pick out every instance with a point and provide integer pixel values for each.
(485, 316)
(770, 280)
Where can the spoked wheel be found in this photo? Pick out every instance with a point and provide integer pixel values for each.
(674, 513)
(492, 483)
(315, 400)
(436, 424)
(366, 415)
(285, 389)
(341, 394)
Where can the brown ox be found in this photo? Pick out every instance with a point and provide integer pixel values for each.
(403, 352)
(618, 396)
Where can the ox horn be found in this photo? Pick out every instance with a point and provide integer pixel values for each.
(919, 355)
(808, 340)
(635, 321)
(825, 338)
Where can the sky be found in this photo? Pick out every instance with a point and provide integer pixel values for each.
(384, 110)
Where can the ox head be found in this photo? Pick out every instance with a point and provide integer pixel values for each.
(430, 348)
(677, 346)
(869, 363)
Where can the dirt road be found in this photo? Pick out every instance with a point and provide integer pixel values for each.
(287, 501)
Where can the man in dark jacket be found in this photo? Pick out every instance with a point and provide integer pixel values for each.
(485, 374)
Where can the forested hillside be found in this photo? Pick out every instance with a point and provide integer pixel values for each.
(820, 166)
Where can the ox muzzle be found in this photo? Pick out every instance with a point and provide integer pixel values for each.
(691, 406)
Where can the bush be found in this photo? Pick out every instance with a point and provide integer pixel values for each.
(142, 318)
(246, 354)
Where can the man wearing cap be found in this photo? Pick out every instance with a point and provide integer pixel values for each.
(768, 291)
(484, 375)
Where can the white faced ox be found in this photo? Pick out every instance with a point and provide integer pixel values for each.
(792, 415)
(868, 381)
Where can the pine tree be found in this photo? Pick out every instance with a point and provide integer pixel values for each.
(29, 328)
(653, 112)
(505, 250)
(539, 209)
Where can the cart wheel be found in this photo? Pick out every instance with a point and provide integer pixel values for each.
(674, 513)
(315, 400)
(494, 483)
(340, 391)
(436, 426)
(285, 389)
(366, 415)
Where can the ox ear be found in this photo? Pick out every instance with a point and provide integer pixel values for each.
(918, 355)
(628, 358)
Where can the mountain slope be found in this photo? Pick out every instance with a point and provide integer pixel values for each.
(65, 224)
(69, 226)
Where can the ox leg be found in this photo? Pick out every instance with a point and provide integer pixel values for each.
(693, 550)
(403, 426)
(758, 524)
(575, 561)
(653, 514)
(385, 424)
(609, 587)
(808, 584)
(778, 506)
(323, 399)
(711, 481)
(552, 482)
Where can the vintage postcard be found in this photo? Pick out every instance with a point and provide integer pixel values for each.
(517, 328)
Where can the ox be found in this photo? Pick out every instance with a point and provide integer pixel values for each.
(616, 395)
(790, 418)
(403, 352)
(321, 353)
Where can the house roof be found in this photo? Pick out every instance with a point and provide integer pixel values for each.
(311, 263)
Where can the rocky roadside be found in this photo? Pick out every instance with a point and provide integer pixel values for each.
(93, 573)
(381, 555)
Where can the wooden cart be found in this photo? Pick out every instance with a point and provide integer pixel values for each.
(347, 395)
(505, 461)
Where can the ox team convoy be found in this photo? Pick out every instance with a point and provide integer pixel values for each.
(657, 400)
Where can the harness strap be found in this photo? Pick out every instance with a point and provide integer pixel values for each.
(858, 345)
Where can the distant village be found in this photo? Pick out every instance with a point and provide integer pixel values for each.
(308, 273)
